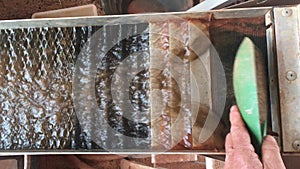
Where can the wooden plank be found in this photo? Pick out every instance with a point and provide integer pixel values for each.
(84, 10)
(174, 158)
(126, 164)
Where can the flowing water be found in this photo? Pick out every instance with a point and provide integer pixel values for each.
(36, 81)
(118, 87)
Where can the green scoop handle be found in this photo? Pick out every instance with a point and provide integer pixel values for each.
(246, 91)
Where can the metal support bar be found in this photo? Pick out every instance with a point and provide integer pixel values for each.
(288, 52)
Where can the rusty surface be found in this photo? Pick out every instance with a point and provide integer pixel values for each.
(248, 26)
(286, 22)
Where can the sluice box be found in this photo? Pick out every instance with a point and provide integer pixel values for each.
(147, 83)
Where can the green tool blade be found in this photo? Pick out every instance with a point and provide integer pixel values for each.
(246, 89)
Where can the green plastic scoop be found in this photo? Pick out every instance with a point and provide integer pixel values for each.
(250, 88)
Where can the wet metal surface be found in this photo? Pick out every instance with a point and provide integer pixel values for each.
(64, 89)
(37, 110)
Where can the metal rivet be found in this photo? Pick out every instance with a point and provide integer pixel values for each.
(296, 145)
(287, 12)
(291, 75)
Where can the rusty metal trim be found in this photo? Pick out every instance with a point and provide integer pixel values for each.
(287, 43)
(102, 20)
(274, 118)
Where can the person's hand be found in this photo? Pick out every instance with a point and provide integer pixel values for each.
(240, 153)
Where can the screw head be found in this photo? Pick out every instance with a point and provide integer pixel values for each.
(286, 12)
(291, 75)
(296, 145)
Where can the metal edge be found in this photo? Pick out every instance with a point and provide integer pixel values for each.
(241, 13)
(273, 77)
(288, 51)
(212, 5)
(106, 153)
(133, 18)
(265, 3)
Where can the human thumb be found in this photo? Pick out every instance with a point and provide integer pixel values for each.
(271, 157)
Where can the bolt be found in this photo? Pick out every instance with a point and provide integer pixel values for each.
(296, 145)
(291, 75)
(287, 12)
